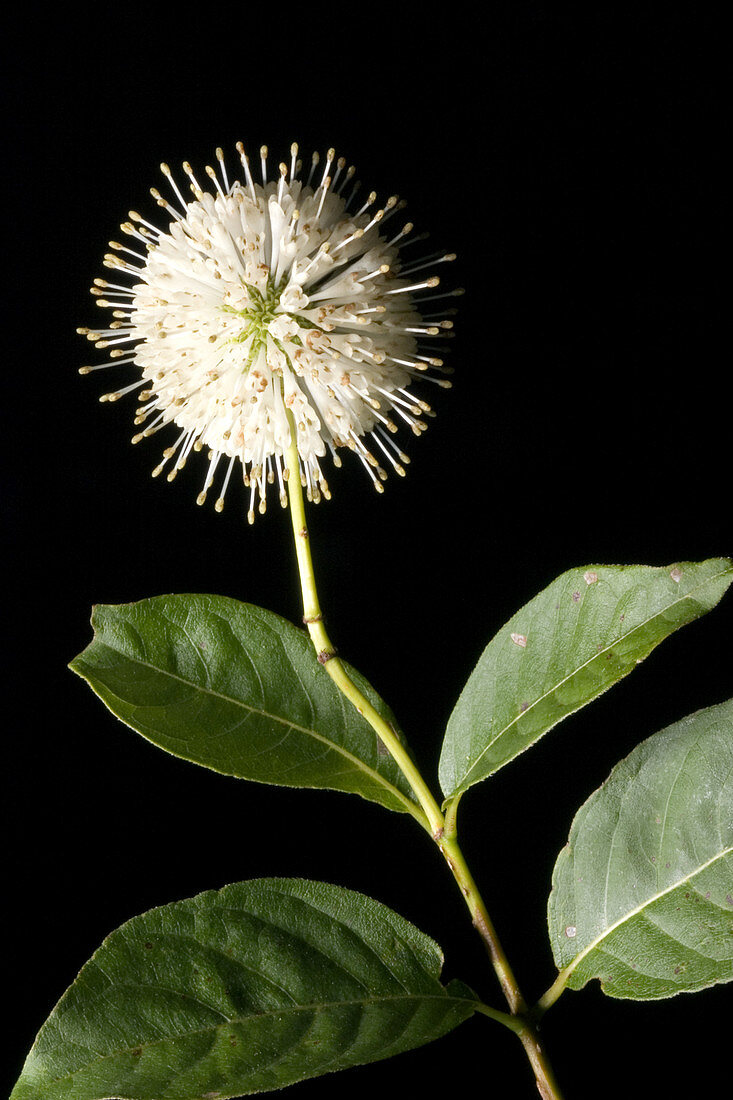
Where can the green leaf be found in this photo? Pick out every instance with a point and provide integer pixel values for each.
(579, 636)
(239, 690)
(242, 990)
(642, 894)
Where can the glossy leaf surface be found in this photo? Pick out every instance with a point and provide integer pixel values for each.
(237, 689)
(642, 894)
(242, 990)
(569, 644)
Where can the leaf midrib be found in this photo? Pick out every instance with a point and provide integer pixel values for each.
(316, 1006)
(568, 970)
(360, 765)
(579, 668)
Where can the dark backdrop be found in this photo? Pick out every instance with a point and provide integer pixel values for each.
(574, 164)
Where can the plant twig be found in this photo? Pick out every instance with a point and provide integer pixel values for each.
(428, 813)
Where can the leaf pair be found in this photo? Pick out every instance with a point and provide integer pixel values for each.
(237, 689)
(643, 893)
(269, 982)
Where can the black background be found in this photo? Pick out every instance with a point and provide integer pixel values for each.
(574, 163)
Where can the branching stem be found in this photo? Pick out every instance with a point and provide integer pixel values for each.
(428, 812)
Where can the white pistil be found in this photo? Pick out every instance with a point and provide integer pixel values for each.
(314, 163)
(389, 456)
(248, 175)
(323, 189)
(169, 176)
(349, 174)
(381, 270)
(329, 161)
(371, 199)
(446, 258)
(211, 173)
(340, 165)
(407, 228)
(354, 192)
(130, 251)
(117, 394)
(444, 294)
(223, 169)
(103, 366)
(220, 502)
(433, 281)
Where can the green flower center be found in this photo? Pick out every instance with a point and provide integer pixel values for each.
(258, 315)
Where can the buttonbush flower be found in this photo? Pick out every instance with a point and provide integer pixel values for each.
(263, 298)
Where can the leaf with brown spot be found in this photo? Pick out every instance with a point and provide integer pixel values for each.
(565, 648)
(639, 891)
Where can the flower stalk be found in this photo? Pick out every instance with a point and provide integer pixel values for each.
(428, 813)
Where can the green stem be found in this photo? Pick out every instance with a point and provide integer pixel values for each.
(547, 1085)
(428, 814)
(514, 1023)
(548, 999)
(482, 923)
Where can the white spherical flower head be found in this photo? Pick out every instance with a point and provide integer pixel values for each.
(272, 308)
